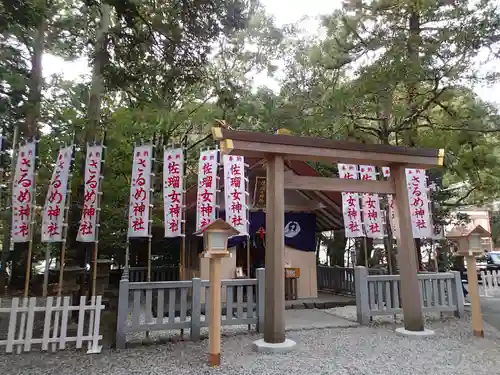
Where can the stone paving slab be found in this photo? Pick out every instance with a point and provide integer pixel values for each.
(314, 319)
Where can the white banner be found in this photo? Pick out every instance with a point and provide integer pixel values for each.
(393, 212)
(140, 189)
(22, 192)
(416, 182)
(419, 203)
(372, 216)
(235, 193)
(173, 191)
(207, 188)
(55, 202)
(88, 224)
(350, 203)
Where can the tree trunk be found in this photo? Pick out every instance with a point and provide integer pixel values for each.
(80, 252)
(413, 44)
(29, 130)
(35, 84)
(6, 244)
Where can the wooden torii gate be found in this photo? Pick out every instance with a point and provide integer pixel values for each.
(278, 148)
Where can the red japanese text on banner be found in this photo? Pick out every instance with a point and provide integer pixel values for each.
(55, 202)
(207, 188)
(235, 194)
(373, 218)
(350, 203)
(22, 192)
(173, 191)
(140, 188)
(419, 203)
(88, 221)
(393, 212)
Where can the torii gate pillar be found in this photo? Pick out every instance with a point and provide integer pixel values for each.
(274, 299)
(274, 323)
(412, 308)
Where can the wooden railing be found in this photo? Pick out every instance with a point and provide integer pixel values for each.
(380, 294)
(181, 303)
(339, 280)
(162, 273)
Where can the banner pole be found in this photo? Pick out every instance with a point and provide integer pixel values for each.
(125, 274)
(182, 260)
(154, 165)
(32, 225)
(97, 220)
(30, 242)
(2, 177)
(247, 199)
(65, 225)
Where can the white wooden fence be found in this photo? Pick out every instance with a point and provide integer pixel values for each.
(491, 283)
(22, 319)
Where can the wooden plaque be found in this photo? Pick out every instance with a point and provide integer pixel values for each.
(259, 194)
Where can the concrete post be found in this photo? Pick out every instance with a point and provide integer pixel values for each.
(362, 303)
(196, 310)
(121, 320)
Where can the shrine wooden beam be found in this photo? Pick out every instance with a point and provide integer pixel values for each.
(337, 184)
(252, 144)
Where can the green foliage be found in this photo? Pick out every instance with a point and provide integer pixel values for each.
(392, 72)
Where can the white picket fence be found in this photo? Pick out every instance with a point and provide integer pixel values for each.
(491, 283)
(21, 318)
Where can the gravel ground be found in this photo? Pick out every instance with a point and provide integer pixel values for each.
(349, 313)
(137, 337)
(363, 350)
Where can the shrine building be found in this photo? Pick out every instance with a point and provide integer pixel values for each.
(306, 214)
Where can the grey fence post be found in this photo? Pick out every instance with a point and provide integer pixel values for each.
(361, 285)
(121, 319)
(458, 295)
(261, 287)
(196, 310)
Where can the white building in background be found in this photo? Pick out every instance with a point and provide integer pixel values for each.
(477, 216)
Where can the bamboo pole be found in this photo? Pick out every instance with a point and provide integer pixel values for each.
(150, 213)
(67, 204)
(127, 243)
(154, 165)
(95, 250)
(2, 176)
(247, 199)
(182, 255)
(2, 172)
(30, 242)
(98, 214)
(46, 271)
(32, 224)
(30, 249)
(65, 233)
